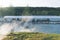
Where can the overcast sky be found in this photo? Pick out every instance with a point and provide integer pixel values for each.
(32, 3)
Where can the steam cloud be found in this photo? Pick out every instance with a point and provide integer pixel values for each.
(14, 26)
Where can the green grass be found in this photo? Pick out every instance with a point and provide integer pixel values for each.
(32, 36)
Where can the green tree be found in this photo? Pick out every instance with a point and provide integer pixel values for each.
(26, 11)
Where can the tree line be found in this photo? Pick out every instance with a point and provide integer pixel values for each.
(28, 11)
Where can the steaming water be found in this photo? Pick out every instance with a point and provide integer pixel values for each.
(25, 26)
(14, 26)
(4, 30)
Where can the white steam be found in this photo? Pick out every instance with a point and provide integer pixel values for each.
(15, 26)
(5, 29)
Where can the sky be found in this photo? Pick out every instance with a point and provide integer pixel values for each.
(31, 3)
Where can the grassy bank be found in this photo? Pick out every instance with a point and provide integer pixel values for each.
(32, 36)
